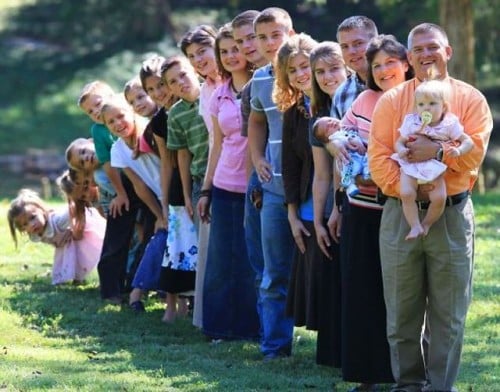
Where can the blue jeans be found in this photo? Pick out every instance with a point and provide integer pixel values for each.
(253, 240)
(106, 189)
(277, 248)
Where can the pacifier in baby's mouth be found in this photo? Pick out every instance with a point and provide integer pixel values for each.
(426, 117)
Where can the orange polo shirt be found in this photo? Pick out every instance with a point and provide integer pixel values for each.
(466, 102)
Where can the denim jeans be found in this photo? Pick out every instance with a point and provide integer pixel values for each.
(253, 239)
(277, 248)
(106, 189)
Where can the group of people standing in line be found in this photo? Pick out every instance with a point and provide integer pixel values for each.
(237, 190)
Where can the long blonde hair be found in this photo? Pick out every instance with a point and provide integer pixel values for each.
(284, 95)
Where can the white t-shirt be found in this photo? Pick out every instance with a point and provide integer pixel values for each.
(146, 165)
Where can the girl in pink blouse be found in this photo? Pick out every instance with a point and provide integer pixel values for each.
(229, 303)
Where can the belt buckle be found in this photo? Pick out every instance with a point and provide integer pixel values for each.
(422, 205)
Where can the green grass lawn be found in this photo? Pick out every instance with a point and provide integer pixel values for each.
(65, 339)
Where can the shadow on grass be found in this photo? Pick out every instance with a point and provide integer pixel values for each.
(117, 341)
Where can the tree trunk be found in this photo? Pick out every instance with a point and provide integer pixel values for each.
(457, 19)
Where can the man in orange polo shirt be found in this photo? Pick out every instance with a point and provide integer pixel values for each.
(428, 278)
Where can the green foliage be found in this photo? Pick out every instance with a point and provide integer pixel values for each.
(65, 338)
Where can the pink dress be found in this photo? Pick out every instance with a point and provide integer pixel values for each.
(76, 259)
(448, 129)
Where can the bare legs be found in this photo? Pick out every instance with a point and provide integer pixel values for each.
(176, 307)
(408, 193)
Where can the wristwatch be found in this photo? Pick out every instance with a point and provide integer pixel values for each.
(439, 154)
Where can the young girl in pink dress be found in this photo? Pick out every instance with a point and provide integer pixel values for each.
(75, 232)
(432, 119)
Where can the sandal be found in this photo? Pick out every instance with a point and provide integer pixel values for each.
(137, 307)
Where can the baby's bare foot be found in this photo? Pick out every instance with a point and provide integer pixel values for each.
(415, 232)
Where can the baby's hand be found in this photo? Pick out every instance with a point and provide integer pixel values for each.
(453, 152)
(65, 238)
(403, 154)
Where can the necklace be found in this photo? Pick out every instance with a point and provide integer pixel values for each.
(235, 91)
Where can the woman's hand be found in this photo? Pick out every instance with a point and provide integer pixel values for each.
(298, 231)
(203, 209)
(335, 224)
(161, 223)
(323, 239)
(338, 149)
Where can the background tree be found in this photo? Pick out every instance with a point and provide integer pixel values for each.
(457, 18)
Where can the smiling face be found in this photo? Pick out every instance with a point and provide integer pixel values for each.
(142, 104)
(246, 40)
(158, 91)
(182, 81)
(329, 75)
(92, 107)
(429, 54)
(120, 121)
(299, 73)
(388, 71)
(270, 36)
(230, 56)
(202, 58)
(32, 220)
(353, 44)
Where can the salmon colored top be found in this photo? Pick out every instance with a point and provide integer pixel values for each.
(466, 102)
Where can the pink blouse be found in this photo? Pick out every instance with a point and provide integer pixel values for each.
(230, 173)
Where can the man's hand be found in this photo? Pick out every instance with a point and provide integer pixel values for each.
(421, 148)
(264, 170)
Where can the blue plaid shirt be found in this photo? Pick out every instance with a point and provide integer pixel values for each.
(345, 96)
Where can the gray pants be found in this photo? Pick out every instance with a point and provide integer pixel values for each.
(428, 282)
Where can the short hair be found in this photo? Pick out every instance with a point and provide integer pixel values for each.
(283, 94)
(173, 61)
(389, 44)
(245, 18)
(97, 87)
(203, 35)
(151, 67)
(315, 129)
(329, 52)
(274, 14)
(425, 28)
(133, 83)
(360, 22)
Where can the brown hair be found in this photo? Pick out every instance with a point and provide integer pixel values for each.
(203, 35)
(245, 18)
(390, 45)
(358, 22)
(17, 207)
(274, 15)
(226, 32)
(329, 52)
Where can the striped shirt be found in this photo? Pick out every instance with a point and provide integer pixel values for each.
(261, 101)
(187, 130)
